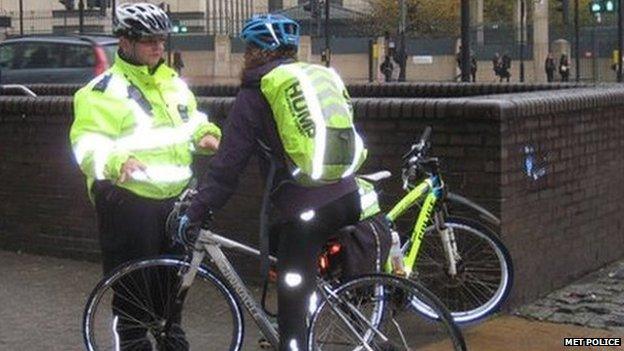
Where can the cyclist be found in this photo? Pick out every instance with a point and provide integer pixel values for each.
(132, 135)
(307, 214)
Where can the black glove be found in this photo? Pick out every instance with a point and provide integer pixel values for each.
(188, 231)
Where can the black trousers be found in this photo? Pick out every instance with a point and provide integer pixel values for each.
(131, 228)
(300, 242)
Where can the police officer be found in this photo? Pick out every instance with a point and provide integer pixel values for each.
(308, 214)
(132, 135)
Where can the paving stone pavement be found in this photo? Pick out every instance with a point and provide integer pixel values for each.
(596, 301)
(42, 300)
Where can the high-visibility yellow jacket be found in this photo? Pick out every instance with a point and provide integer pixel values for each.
(129, 112)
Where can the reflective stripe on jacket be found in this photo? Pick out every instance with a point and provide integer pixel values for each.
(128, 112)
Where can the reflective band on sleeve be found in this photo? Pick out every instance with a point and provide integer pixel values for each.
(163, 174)
(101, 147)
(317, 116)
(199, 117)
(89, 143)
(100, 156)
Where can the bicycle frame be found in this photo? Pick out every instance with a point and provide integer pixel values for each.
(211, 243)
(432, 190)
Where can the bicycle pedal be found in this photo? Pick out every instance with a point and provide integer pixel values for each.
(264, 344)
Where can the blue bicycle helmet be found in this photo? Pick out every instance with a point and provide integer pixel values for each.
(270, 32)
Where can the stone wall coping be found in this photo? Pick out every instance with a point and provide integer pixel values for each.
(476, 107)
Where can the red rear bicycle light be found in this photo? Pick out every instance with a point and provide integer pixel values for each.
(101, 63)
(334, 249)
(323, 262)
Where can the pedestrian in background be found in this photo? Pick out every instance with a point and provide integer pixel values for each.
(387, 68)
(564, 68)
(505, 68)
(473, 67)
(496, 64)
(550, 67)
(177, 63)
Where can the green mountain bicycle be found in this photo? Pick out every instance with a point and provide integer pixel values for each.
(459, 259)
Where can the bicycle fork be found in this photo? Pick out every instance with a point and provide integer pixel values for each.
(448, 243)
(186, 276)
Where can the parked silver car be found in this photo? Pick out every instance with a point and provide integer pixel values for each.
(55, 59)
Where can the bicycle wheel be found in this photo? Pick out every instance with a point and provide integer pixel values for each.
(374, 312)
(484, 271)
(134, 308)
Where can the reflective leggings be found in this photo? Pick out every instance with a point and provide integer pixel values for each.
(300, 242)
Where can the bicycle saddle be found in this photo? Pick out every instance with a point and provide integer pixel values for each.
(376, 177)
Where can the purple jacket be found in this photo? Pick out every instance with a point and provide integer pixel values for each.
(250, 120)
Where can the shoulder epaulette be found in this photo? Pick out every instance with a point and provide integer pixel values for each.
(103, 83)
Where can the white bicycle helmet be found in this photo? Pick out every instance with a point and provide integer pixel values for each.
(140, 19)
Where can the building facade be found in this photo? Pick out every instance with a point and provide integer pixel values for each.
(198, 16)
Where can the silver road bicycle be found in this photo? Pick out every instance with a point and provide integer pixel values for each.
(196, 302)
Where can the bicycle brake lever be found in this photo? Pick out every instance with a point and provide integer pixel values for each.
(415, 148)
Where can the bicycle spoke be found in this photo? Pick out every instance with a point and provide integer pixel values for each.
(483, 271)
(389, 321)
(136, 302)
(143, 300)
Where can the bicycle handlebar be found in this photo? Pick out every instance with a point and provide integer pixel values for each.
(419, 149)
(425, 135)
(416, 158)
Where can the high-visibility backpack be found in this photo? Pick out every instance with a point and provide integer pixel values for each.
(314, 117)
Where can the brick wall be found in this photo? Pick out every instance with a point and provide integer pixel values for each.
(568, 221)
(42, 197)
(557, 227)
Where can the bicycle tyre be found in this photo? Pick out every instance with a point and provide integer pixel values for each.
(200, 307)
(494, 264)
(395, 302)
